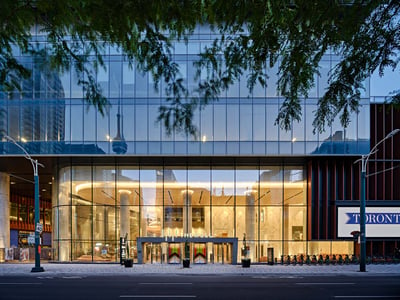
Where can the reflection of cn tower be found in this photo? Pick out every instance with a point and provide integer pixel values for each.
(119, 145)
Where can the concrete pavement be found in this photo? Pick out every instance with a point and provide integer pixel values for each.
(79, 269)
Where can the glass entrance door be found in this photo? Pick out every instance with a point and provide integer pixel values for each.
(223, 253)
(152, 253)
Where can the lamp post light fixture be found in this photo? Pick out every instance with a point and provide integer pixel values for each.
(364, 162)
(38, 227)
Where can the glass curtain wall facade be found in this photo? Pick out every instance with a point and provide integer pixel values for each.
(95, 204)
(50, 116)
(98, 204)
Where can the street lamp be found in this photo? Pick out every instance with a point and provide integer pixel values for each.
(364, 162)
(35, 165)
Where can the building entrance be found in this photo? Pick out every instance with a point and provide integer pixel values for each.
(222, 253)
(202, 250)
(152, 253)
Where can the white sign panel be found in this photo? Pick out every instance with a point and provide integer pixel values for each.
(379, 221)
(31, 239)
(39, 227)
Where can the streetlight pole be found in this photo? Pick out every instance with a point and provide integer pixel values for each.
(35, 165)
(364, 162)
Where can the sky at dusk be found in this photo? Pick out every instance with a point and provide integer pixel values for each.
(383, 86)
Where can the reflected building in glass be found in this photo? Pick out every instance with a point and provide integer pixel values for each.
(120, 174)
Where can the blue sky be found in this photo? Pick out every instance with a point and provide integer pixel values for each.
(383, 86)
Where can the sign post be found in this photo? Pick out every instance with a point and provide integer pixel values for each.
(364, 162)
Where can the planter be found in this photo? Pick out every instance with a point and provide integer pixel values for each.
(128, 263)
(246, 262)
(186, 263)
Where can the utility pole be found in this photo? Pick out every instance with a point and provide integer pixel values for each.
(38, 226)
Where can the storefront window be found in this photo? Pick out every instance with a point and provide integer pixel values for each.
(319, 248)
(271, 223)
(271, 185)
(222, 202)
(128, 200)
(295, 248)
(247, 206)
(294, 186)
(103, 203)
(294, 223)
(199, 181)
(267, 245)
(342, 247)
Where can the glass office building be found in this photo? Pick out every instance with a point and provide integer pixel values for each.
(121, 175)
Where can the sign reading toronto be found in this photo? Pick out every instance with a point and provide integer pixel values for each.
(379, 221)
(374, 218)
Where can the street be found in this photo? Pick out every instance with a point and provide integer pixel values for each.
(187, 286)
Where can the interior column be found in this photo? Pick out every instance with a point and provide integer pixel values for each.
(250, 221)
(187, 211)
(4, 213)
(124, 220)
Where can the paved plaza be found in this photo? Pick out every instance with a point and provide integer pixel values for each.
(79, 269)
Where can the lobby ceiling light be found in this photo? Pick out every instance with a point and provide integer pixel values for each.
(130, 185)
(125, 192)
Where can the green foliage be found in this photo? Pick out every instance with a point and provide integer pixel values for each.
(253, 36)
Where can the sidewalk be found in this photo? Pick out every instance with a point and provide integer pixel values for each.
(71, 269)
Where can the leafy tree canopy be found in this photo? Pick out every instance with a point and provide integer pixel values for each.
(253, 36)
